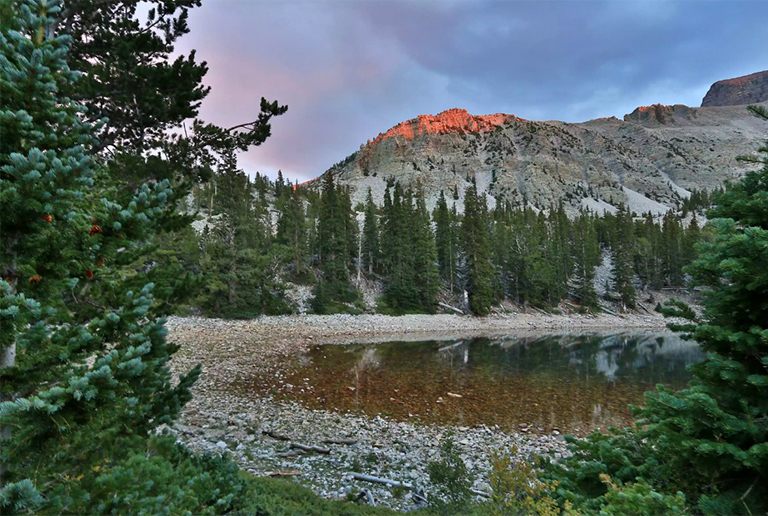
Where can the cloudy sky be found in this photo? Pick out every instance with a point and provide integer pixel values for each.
(349, 70)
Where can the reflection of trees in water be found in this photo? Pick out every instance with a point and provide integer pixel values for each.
(568, 381)
(454, 355)
(612, 356)
(368, 361)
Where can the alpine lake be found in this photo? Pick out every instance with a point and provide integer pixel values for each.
(530, 382)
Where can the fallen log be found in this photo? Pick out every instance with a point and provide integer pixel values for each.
(307, 448)
(290, 453)
(288, 473)
(449, 307)
(340, 441)
(397, 483)
(609, 312)
(641, 305)
(274, 435)
(379, 480)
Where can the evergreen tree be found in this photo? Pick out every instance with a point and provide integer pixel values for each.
(560, 243)
(239, 264)
(387, 241)
(446, 241)
(401, 292)
(334, 230)
(280, 187)
(426, 275)
(370, 243)
(84, 387)
(623, 265)
(542, 263)
(672, 259)
(477, 252)
(586, 256)
(124, 49)
(292, 232)
(648, 253)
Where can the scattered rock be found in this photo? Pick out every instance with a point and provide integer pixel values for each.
(387, 448)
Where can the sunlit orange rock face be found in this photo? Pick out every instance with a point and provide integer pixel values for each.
(451, 121)
(660, 114)
(747, 89)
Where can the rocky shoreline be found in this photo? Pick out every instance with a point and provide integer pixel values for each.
(257, 432)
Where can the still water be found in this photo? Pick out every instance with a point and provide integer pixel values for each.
(572, 383)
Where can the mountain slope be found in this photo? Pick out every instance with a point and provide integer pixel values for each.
(650, 160)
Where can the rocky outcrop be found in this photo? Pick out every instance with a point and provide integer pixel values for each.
(455, 120)
(659, 114)
(748, 89)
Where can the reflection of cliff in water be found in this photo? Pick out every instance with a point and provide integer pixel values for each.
(573, 382)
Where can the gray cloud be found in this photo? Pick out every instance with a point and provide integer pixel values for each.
(349, 70)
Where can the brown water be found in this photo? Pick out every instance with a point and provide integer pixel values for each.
(573, 383)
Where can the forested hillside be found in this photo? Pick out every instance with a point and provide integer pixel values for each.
(260, 241)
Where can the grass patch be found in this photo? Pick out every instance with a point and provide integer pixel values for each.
(283, 497)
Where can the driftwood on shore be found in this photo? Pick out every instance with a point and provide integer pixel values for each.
(379, 480)
(348, 442)
(397, 483)
(306, 448)
(290, 453)
(449, 307)
(274, 435)
(287, 473)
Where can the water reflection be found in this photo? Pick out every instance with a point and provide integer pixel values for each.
(570, 382)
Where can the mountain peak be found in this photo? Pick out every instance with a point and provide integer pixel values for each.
(455, 120)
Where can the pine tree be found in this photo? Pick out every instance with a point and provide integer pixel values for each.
(401, 292)
(586, 256)
(239, 263)
(561, 231)
(672, 260)
(84, 387)
(280, 187)
(477, 252)
(446, 241)
(426, 275)
(292, 233)
(370, 244)
(622, 247)
(334, 230)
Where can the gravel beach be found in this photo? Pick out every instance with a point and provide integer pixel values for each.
(257, 432)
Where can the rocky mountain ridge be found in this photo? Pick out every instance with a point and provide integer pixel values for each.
(651, 160)
(747, 89)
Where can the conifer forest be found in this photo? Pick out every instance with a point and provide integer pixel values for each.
(121, 209)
